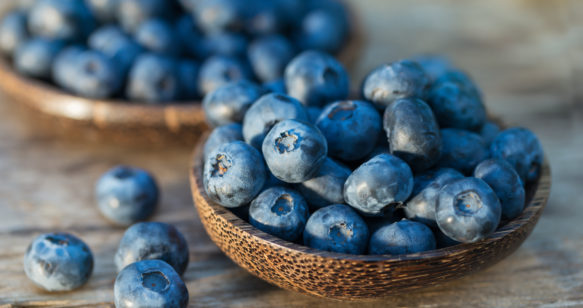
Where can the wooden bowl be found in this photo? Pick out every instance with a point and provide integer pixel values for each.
(357, 277)
(123, 122)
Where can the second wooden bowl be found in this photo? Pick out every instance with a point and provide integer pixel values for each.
(351, 277)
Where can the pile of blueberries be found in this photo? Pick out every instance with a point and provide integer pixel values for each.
(413, 165)
(156, 51)
(150, 259)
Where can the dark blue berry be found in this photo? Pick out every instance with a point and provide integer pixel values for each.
(220, 70)
(327, 186)
(153, 240)
(188, 78)
(65, 67)
(154, 79)
(95, 75)
(58, 262)
(461, 150)
(68, 20)
(522, 149)
(337, 228)
(34, 58)
(489, 132)
(158, 36)
(132, 13)
(115, 44)
(126, 195)
(506, 183)
(229, 102)
(215, 16)
(221, 135)
(468, 210)
(226, 44)
(434, 66)
(323, 30)
(269, 56)
(191, 38)
(403, 237)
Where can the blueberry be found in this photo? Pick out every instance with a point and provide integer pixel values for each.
(126, 195)
(153, 79)
(380, 182)
(229, 102)
(267, 111)
(413, 133)
(279, 211)
(506, 183)
(188, 78)
(234, 174)
(153, 241)
(456, 105)
(316, 78)
(34, 58)
(467, 210)
(190, 37)
(522, 149)
(269, 56)
(221, 135)
(265, 18)
(462, 79)
(393, 81)
(434, 66)
(294, 151)
(489, 132)
(96, 75)
(132, 13)
(104, 10)
(275, 86)
(351, 128)
(443, 240)
(60, 19)
(421, 206)
(461, 150)
(403, 237)
(65, 67)
(58, 262)
(158, 36)
(149, 283)
(219, 70)
(216, 16)
(115, 44)
(336, 228)
(323, 30)
(313, 114)
(327, 186)
(226, 44)
(13, 32)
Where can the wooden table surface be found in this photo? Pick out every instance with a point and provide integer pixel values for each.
(527, 55)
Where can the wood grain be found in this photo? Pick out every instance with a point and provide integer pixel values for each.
(526, 55)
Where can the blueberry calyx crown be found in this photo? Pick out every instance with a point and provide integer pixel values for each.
(283, 205)
(155, 281)
(467, 203)
(288, 141)
(221, 165)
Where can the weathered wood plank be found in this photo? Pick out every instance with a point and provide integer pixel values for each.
(526, 55)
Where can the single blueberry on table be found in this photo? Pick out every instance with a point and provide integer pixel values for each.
(65, 67)
(294, 151)
(34, 58)
(96, 75)
(226, 44)
(153, 79)
(153, 241)
(327, 186)
(229, 102)
(434, 66)
(114, 43)
(503, 179)
(351, 128)
(393, 81)
(413, 133)
(159, 36)
(316, 78)
(221, 135)
(461, 150)
(188, 78)
(489, 132)
(149, 283)
(269, 56)
(126, 195)
(267, 111)
(275, 86)
(104, 10)
(467, 210)
(337, 228)
(191, 38)
(323, 30)
(456, 105)
(377, 184)
(421, 206)
(132, 13)
(279, 211)
(522, 149)
(401, 238)
(58, 262)
(220, 70)
(234, 174)
(69, 20)
(215, 16)
(13, 32)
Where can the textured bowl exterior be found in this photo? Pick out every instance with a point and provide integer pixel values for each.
(349, 277)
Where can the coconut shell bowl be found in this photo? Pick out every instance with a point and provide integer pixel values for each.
(357, 277)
